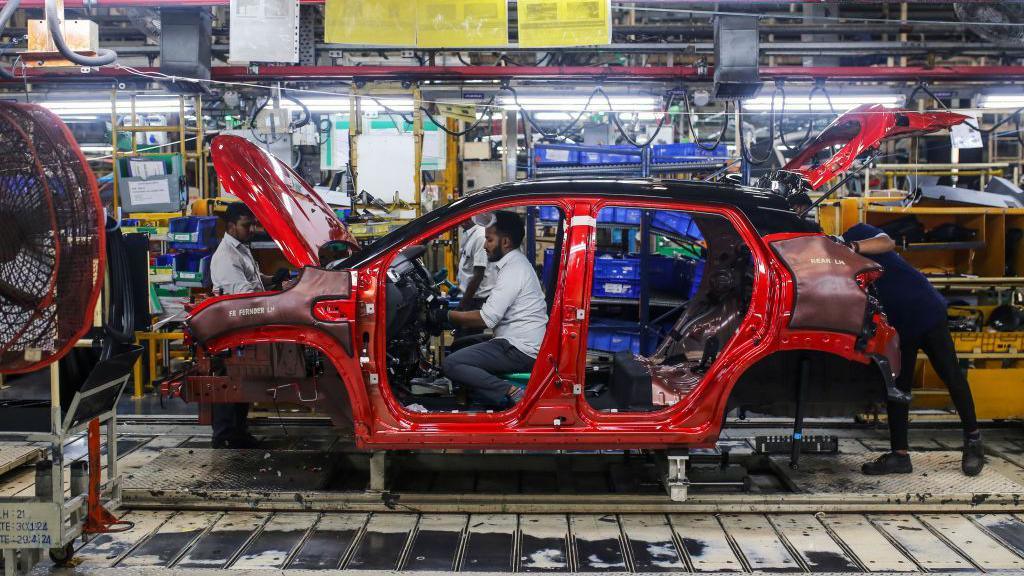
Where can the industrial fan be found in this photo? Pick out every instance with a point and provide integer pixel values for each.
(52, 241)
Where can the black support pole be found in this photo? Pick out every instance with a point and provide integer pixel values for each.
(798, 421)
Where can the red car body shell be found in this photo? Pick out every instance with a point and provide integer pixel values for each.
(553, 414)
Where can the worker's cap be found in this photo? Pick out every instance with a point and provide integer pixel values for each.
(486, 219)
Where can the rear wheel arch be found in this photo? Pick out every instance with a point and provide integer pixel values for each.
(838, 386)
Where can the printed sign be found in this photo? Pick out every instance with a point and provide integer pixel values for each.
(30, 525)
(143, 192)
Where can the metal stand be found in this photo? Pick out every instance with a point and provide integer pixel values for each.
(48, 520)
(379, 463)
(676, 481)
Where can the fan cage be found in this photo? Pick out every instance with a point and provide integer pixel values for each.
(52, 243)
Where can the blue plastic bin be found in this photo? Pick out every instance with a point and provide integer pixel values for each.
(610, 267)
(548, 213)
(611, 157)
(619, 277)
(164, 260)
(679, 223)
(192, 233)
(544, 155)
(685, 152)
(191, 269)
(625, 289)
(619, 215)
(617, 336)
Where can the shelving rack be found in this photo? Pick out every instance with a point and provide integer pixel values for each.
(197, 155)
(643, 166)
(985, 268)
(189, 145)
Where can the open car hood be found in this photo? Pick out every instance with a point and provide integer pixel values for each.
(298, 220)
(861, 129)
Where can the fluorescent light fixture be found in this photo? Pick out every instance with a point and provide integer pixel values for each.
(341, 104)
(642, 116)
(801, 103)
(124, 106)
(1011, 100)
(569, 116)
(579, 103)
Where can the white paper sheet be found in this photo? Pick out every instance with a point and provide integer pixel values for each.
(264, 31)
(146, 168)
(143, 192)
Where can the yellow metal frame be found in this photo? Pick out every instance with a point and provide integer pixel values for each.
(151, 338)
(198, 156)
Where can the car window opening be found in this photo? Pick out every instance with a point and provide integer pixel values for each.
(646, 353)
(433, 362)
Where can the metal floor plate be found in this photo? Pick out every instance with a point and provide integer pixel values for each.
(199, 469)
(14, 454)
(934, 473)
(281, 543)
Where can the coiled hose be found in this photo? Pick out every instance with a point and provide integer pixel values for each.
(102, 57)
(120, 323)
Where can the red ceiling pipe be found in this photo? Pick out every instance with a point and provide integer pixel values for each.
(579, 73)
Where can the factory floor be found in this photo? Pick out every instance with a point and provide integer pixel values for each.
(304, 502)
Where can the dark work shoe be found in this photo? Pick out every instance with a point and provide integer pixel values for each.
(974, 457)
(888, 463)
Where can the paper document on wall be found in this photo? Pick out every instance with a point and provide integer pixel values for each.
(964, 135)
(380, 22)
(264, 31)
(146, 168)
(143, 192)
(544, 23)
(461, 23)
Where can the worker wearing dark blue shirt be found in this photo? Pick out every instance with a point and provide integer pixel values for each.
(918, 313)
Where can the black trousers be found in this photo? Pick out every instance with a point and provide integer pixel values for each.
(229, 421)
(938, 345)
(477, 368)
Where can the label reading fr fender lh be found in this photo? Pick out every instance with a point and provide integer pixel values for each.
(254, 311)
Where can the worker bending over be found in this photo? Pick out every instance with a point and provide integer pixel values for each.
(918, 312)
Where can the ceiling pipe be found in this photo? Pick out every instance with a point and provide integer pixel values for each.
(588, 73)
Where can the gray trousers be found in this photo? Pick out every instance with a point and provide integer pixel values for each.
(476, 368)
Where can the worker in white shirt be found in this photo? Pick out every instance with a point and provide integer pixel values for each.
(516, 312)
(476, 272)
(233, 270)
